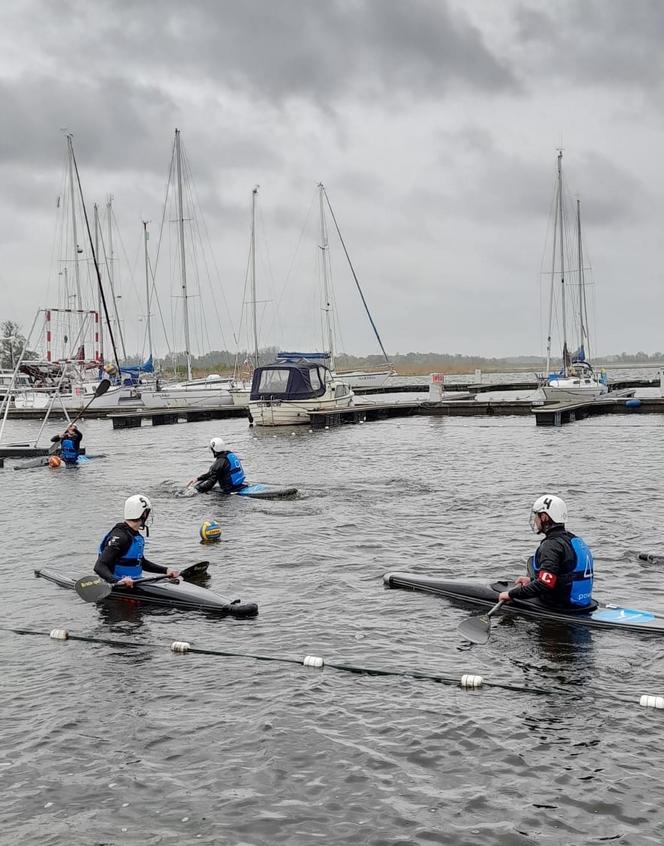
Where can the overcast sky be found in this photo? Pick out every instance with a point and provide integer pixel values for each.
(434, 126)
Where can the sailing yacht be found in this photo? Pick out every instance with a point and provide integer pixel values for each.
(212, 391)
(285, 392)
(576, 380)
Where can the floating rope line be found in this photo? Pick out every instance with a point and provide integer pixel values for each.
(467, 681)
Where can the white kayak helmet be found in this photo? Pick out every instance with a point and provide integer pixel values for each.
(137, 507)
(217, 445)
(551, 505)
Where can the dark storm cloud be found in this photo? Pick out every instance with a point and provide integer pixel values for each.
(606, 42)
(277, 49)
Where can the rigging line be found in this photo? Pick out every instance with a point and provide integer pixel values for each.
(196, 212)
(199, 220)
(294, 256)
(204, 334)
(57, 233)
(118, 231)
(115, 307)
(265, 252)
(357, 281)
(94, 256)
(154, 298)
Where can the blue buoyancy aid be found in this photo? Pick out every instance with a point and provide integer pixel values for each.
(68, 450)
(131, 563)
(237, 477)
(580, 581)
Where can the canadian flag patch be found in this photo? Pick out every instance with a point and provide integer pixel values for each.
(548, 579)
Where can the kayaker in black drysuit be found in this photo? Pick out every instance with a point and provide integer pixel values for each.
(560, 573)
(68, 444)
(121, 560)
(226, 471)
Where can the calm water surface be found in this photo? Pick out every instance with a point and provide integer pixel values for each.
(135, 745)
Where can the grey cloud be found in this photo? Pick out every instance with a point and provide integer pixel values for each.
(279, 50)
(596, 41)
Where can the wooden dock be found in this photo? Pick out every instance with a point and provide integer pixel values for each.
(133, 418)
(617, 402)
(366, 412)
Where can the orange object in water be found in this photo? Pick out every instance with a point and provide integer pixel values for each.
(54, 461)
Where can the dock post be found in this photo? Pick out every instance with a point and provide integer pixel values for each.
(436, 387)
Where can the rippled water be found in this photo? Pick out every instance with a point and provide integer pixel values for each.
(136, 745)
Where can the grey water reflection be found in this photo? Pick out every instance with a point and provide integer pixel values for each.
(122, 744)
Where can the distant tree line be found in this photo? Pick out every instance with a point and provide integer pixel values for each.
(224, 361)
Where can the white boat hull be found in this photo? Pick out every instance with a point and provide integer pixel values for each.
(291, 413)
(366, 378)
(116, 397)
(199, 393)
(574, 390)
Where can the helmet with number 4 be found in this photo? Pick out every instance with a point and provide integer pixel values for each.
(551, 505)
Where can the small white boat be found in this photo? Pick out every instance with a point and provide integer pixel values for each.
(579, 383)
(78, 398)
(367, 378)
(212, 392)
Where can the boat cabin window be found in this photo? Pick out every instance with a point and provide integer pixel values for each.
(274, 381)
(314, 379)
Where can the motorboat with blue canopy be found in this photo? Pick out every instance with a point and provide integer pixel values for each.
(284, 392)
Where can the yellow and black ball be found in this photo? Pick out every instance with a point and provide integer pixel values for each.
(210, 531)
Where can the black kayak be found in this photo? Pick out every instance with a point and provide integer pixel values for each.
(601, 616)
(257, 491)
(176, 595)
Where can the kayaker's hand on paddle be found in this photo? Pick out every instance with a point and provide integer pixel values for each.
(522, 580)
(191, 482)
(126, 581)
(503, 596)
(173, 574)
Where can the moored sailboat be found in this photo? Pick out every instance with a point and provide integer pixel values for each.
(285, 392)
(576, 379)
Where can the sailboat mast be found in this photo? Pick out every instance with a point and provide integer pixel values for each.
(254, 197)
(109, 266)
(99, 311)
(147, 285)
(562, 257)
(72, 194)
(327, 308)
(183, 263)
(583, 305)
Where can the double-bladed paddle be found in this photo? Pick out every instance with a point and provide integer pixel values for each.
(93, 588)
(478, 629)
(102, 387)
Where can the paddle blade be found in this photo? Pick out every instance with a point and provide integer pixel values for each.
(476, 629)
(102, 387)
(92, 588)
(195, 571)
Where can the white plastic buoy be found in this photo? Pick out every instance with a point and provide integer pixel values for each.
(59, 634)
(180, 646)
(313, 661)
(326, 428)
(647, 701)
(468, 680)
(311, 431)
(292, 434)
